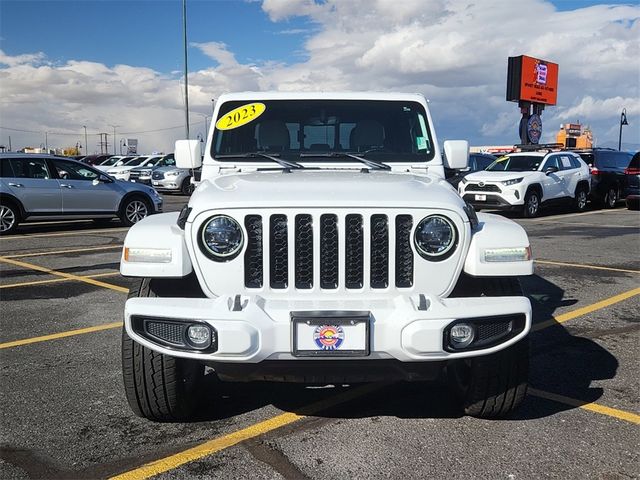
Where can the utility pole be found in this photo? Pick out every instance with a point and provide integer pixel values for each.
(104, 142)
(186, 73)
(86, 145)
(114, 138)
(46, 141)
(9, 142)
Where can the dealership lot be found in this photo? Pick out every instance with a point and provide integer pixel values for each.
(64, 414)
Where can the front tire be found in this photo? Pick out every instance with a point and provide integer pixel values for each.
(159, 387)
(185, 187)
(531, 204)
(134, 209)
(494, 385)
(9, 217)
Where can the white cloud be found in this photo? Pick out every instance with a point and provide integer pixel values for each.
(453, 51)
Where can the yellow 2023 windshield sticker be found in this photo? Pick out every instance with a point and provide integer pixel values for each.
(240, 116)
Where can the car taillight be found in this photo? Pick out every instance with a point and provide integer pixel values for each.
(594, 171)
(632, 171)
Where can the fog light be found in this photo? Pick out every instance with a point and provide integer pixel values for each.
(461, 335)
(199, 336)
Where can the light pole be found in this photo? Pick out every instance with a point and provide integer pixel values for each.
(114, 138)
(86, 145)
(46, 141)
(186, 73)
(206, 125)
(623, 121)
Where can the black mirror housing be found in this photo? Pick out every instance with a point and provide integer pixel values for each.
(550, 170)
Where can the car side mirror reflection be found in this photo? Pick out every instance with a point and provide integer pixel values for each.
(550, 170)
(101, 179)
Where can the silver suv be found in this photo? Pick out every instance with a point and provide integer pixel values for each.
(36, 187)
(172, 179)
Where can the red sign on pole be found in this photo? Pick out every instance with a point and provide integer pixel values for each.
(532, 80)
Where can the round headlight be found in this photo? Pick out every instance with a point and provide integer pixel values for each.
(435, 237)
(221, 238)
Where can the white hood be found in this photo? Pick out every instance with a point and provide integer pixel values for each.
(497, 176)
(322, 188)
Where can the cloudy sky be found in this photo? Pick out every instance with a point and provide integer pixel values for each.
(65, 64)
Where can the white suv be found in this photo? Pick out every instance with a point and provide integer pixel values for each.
(324, 245)
(527, 181)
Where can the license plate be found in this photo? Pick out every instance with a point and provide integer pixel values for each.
(133, 180)
(156, 183)
(330, 334)
(481, 198)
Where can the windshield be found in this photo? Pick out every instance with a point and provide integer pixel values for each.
(136, 161)
(297, 130)
(519, 163)
(154, 161)
(110, 161)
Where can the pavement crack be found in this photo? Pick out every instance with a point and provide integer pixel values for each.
(267, 452)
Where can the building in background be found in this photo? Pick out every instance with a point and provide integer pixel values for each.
(572, 135)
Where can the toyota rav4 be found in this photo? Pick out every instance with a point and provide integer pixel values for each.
(526, 181)
(324, 245)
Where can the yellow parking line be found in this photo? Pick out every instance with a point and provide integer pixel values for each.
(75, 250)
(63, 234)
(68, 276)
(581, 265)
(54, 336)
(208, 448)
(56, 280)
(590, 406)
(585, 310)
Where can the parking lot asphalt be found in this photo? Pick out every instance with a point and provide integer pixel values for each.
(64, 414)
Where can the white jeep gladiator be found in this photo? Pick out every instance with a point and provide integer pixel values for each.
(322, 246)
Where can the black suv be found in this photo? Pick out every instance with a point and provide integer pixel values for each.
(607, 174)
(477, 162)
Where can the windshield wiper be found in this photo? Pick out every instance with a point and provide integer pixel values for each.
(367, 162)
(273, 158)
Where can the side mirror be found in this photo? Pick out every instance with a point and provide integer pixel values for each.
(550, 170)
(187, 154)
(101, 179)
(456, 154)
(119, 163)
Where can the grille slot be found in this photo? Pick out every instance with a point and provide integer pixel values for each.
(379, 251)
(404, 254)
(491, 331)
(354, 251)
(279, 252)
(474, 187)
(253, 261)
(304, 251)
(329, 251)
(168, 332)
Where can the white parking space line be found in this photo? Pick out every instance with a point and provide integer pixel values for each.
(569, 215)
(64, 234)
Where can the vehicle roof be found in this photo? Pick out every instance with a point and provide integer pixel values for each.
(416, 97)
(538, 153)
(27, 155)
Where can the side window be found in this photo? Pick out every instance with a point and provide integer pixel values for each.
(622, 160)
(30, 168)
(575, 162)
(551, 162)
(73, 171)
(5, 169)
(565, 160)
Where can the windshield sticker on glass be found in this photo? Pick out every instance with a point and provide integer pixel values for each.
(240, 116)
(421, 143)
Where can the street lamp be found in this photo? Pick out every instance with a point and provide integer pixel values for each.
(623, 121)
(86, 145)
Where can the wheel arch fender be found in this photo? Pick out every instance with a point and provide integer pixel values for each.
(129, 195)
(494, 233)
(537, 187)
(15, 201)
(583, 184)
(155, 247)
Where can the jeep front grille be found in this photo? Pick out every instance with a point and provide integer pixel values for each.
(321, 237)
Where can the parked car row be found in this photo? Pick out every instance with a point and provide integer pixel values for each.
(37, 187)
(159, 171)
(530, 180)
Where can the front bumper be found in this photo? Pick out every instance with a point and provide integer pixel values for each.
(253, 329)
(506, 197)
(171, 184)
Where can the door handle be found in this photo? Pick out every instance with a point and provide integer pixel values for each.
(18, 185)
(64, 185)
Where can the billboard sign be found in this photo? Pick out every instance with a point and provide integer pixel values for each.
(532, 80)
